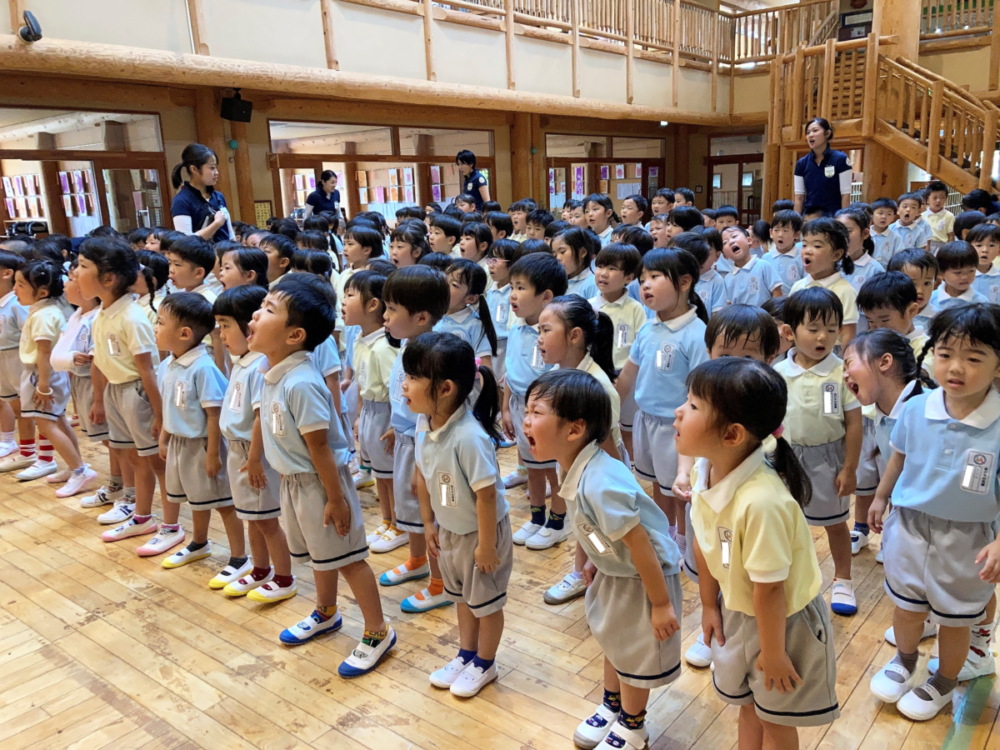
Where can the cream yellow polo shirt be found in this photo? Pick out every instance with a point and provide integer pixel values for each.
(372, 363)
(119, 333)
(45, 322)
(818, 398)
(840, 286)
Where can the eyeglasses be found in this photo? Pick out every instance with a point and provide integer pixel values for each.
(494, 261)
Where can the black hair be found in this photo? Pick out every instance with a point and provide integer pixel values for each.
(622, 256)
(892, 289)
(863, 220)
(480, 233)
(775, 307)
(526, 205)
(636, 236)
(45, 249)
(665, 193)
(410, 212)
(418, 289)
(289, 228)
(466, 157)
(104, 231)
(138, 236)
(499, 221)
(956, 254)
(579, 239)
(871, 346)
(966, 221)
(685, 217)
(575, 396)
(712, 236)
(44, 274)
(315, 223)
(556, 227)
(438, 261)
(735, 322)
(782, 204)
(311, 304)
(640, 203)
(115, 256)
(914, 195)
(710, 213)
(543, 272)
(380, 265)
(451, 227)
(979, 323)
(491, 206)
(155, 270)
(529, 247)
(285, 247)
(694, 243)
(472, 217)
(978, 200)
(812, 209)
(598, 330)
(166, 238)
(935, 187)
(444, 356)
(251, 259)
(762, 231)
(503, 249)
(884, 203)
(453, 212)
(13, 261)
(465, 198)
(191, 310)
(982, 233)
(675, 264)
(729, 212)
(313, 239)
(313, 261)
(823, 123)
(603, 201)
(369, 285)
(540, 216)
(748, 393)
(366, 236)
(195, 250)
(916, 257)
(686, 193)
(239, 303)
(572, 204)
(475, 279)
(813, 303)
(787, 217)
(838, 237)
(64, 243)
(194, 155)
(416, 238)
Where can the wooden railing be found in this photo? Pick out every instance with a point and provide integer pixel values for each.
(762, 34)
(947, 18)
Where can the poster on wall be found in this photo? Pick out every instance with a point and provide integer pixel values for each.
(393, 177)
(605, 172)
(81, 204)
(436, 193)
(436, 175)
(363, 181)
(18, 186)
(379, 194)
(78, 181)
(409, 193)
(408, 176)
(552, 187)
(578, 181)
(88, 181)
(10, 206)
(654, 171)
(68, 204)
(20, 208)
(8, 186)
(300, 182)
(637, 173)
(363, 195)
(29, 185)
(619, 171)
(64, 181)
(394, 193)
(602, 186)
(312, 182)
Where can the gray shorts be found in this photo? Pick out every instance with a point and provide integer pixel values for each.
(655, 452)
(868, 467)
(930, 566)
(690, 561)
(58, 384)
(303, 500)
(809, 643)
(252, 504)
(374, 422)
(10, 374)
(517, 407)
(822, 463)
(499, 361)
(187, 480)
(81, 388)
(618, 613)
(408, 516)
(485, 593)
(626, 417)
(130, 418)
(349, 404)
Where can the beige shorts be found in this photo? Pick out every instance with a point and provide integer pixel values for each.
(374, 422)
(58, 384)
(464, 582)
(252, 504)
(408, 516)
(130, 418)
(10, 374)
(82, 390)
(822, 463)
(187, 480)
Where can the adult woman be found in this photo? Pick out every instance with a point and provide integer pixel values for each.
(823, 176)
(472, 180)
(325, 197)
(198, 208)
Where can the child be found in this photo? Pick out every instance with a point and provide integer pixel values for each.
(966, 221)
(889, 300)
(575, 249)
(519, 211)
(536, 222)
(443, 234)
(860, 248)
(465, 203)
(775, 307)
(475, 242)
(535, 281)
(191, 262)
(191, 439)
(462, 500)
(711, 286)
(633, 562)
(762, 610)
(985, 238)
(304, 443)
(957, 266)
(500, 225)
(662, 202)
(407, 245)
(912, 228)
(600, 213)
(922, 268)
(634, 210)
(725, 217)
(660, 229)
(887, 243)
(575, 214)
(683, 219)
(825, 261)
(786, 256)
(279, 251)
(20, 454)
(823, 422)
(468, 312)
(750, 282)
(244, 265)
(708, 218)
(760, 238)
(617, 267)
(151, 283)
(684, 197)
(940, 219)
(499, 261)
(810, 213)
(942, 483)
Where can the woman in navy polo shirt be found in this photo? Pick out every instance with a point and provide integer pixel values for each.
(198, 208)
(326, 197)
(823, 176)
(473, 181)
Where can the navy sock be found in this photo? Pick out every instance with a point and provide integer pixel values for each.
(195, 546)
(538, 514)
(556, 521)
(861, 527)
(237, 562)
(465, 655)
(613, 701)
(483, 664)
(633, 721)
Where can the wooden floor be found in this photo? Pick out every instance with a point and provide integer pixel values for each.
(99, 648)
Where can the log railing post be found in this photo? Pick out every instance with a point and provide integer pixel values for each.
(575, 22)
(509, 38)
(196, 17)
(429, 39)
(629, 49)
(329, 42)
(989, 147)
(934, 139)
(871, 87)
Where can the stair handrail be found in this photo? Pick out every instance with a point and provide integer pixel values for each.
(949, 85)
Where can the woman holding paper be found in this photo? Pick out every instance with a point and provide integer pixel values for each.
(198, 208)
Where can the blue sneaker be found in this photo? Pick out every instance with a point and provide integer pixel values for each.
(309, 628)
(424, 602)
(365, 657)
(842, 600)
(402, 574)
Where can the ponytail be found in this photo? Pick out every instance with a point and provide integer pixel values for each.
(846, 264)
(695, 300)
(487, 320)
(475, 279)
(598, 330)
(785, 463)
(487, 406)
(194, 155)
(147, 275)
(602, 348)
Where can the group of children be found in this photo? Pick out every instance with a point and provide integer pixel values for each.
(756, 379)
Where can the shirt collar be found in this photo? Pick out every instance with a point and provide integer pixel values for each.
(719, 496)
(607, 232)
(247, 359)
(571, 480)
(5, 300)
(746, 269)
(863, 261)
(898, 406)
(119, 305)
(200, 288)
(828, 281)
(793, 253)
(994, 271)
(822, 369)
(279, 370)
(197, 193)
(585, 274)
(372, 337)
(620, 302)
(967, 296)
(916, 333)
(987, 413)
(424, 424)
(708, 275)
(677, 323)
(461, 316)
(35, 306)
(190, 356)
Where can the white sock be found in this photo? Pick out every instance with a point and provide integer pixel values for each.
(7, 437)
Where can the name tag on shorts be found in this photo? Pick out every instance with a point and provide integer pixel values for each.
(829, 171)
(831, 399)
(621, 334)
(446, 484)
(277, 420)
(978, 474)
(725, 545)
(665, 358)
(600, 543)
(114, 345)
(180, 394)
(236, 400)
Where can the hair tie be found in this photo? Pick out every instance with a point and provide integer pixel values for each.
(778, 432)
(479, 362)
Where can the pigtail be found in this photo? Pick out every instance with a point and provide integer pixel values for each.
(487, 320)
(150, 279)
(787, 466)
(869, 245)
(487, 406)
(177, 177)
(695, 300)
(601, 349)
(921, 376)
(846, 265)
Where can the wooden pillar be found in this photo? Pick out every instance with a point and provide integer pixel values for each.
(995, 52)
(539, 170)
(575, 21)
(989, 147)
(211, 132)
(682, 156)
(329, 41)
(520, 155)
(901, 18)
(885, 173)
(786, 173)
(629, 49)
(55, 214)
(351, 179)
(429, 39)
(422, 146)
(508, 6)
(16, 16)
(279, 196)
(676, 54)
(244, 178)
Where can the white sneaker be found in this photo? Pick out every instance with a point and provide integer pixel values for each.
(425, 603)
(887, 689)
(243, 586)
(547, 537)
(473, 679)
(7, 447)
(516, 478)
(446, 676)
(229, 574)
(103, 496)
(878, 557)
(377, 534)
(270, 592)
(842, 600)
(392, 539)
(525, 533)
(363, 478)
(365, 657)
(307, 629)
(186, 556)
(122, 511)
(566, 590)
(976, 665)
(591, 732)
(129, 529)
(16, 462)
(622, 738)
(858, 541)
(79, 481)
(353, 466)
(37, 470)
(930, 630)
(60, 476)
(912, 706)
(700, 653)
(165, 539)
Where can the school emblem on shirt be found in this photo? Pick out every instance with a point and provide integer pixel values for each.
(397, 386)
(831, 399)
(725, 544)
(447, 484)
(621, 334)
(537, 363)
(114, 345)
(978, 474)
(994, 292)
(277, 420)
(665, 358)
(82, 337)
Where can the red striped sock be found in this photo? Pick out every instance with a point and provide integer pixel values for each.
(27, 448)
(45, 452)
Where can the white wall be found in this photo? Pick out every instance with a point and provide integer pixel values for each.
(162, 24)
(464, 54)
(276, 31)
(380, 42)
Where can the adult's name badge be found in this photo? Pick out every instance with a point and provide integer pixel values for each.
(180, 394)
(446, 482)
(537, 363)
(621, 334)
(725, 545)
(114, 345)
(665, 358)
(600, 543)
(978, 475)
(831, 399)
(236, 400)
(277, 420)
(829, 171)
(501, 314)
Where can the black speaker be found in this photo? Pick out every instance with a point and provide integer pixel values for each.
(235, 108)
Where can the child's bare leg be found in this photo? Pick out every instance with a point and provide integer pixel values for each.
(751, 735)
(277, 546)
(861, 505)
(234, 531)
(579, 559)
(468, 629)
(611, 682)
(665, 503)
(200, 520)
(536, 489)
(953, 649)
(172, 517)
(145, 482)
(360, 578)
(159, 467)
(258, 545)
(326, 587)
(839, 536)
(558, 503)
(490, 633)
(627, 439)
(25, 427)
(386, 500)
(8, 422)
(778, 737)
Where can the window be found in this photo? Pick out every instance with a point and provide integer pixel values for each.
(446, 143)
(328, 138)
(62, 130)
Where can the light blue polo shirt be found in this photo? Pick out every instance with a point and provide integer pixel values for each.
(788, 266)
(189, 385)
(950, 470)
(12, 317)
(402, 419)
(467, 326)
(988, 284)
(635, 292)
(583, 284)
(711, 287)
(865, 268)
(498, 301)
(886, 245)
(605, 502)
(666, 352)
(295, 401)
(752, 284)
(724, 266)
(245, 382)
(524, 361)
(349, 336)
(457, 460)
(326, 358)
(918, 234)
(884, 423)
(944, 301)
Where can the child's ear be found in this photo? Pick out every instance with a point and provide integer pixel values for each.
(295, 335)
(734, 435)
(912, 309)
(786, 332)
(577, 431)
(186, 333)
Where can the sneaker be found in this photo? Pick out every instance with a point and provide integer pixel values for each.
(700, 653)
(887, 689)
(129, 529)
(165, 539)
(916, 707)
(79, 481)
(365, 657)
(270, 592)
(878, 557)
(930, 630)
(424, 601)
(591, 732)
(568, 589)
(446, 676)
(390, 540)
(229, 574)
(547, 537)
(60, 476)
(309, 628)
(516, 478)
(622, 738)
(505, 443)
(843, 601)
(377, 534)
(363, 478)
(74, 421)
(859, 541)
(402, 574)
(473, 679)
(525, 533)
(37, 470)
(186, 556)
(243, 586)
(103, 496)
(16, 462)
(976, 665)
(7, 447)
(122, 511)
